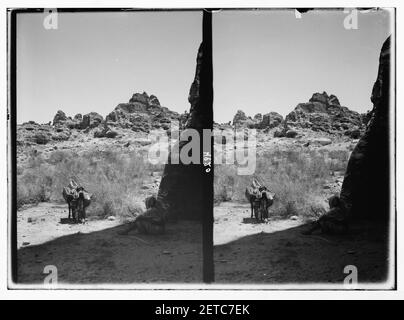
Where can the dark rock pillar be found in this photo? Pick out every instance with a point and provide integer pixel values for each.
(182, 191)
(366, 189)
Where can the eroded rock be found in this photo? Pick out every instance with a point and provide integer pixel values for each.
(366, 188)
(324, 113)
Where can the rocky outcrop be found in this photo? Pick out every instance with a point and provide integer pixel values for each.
(142, 113)
(144, 99)
(285, 131)
(91, 120)
(270, 120)
(366, 188)
(239, 118)
(59, 118)
(105, 132)
(324, 113)
(266, 121)
(258, 117)
(31, 132)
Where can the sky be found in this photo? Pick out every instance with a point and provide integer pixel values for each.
(271, 61)
(94, 61)
(264, 60)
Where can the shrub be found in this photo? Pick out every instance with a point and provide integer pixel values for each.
(34, 185)
(296, 177)
(113, 178)
(60, 156)
(41, 138)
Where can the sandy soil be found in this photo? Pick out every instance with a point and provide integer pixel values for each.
(96, 253)
(277, 252)
(245, 251)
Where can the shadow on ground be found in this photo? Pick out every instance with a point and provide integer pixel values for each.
(288, 257)
(107, 257)
(277, 257)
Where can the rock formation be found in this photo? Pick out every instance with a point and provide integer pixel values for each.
(324, 113)
(105, 132)
(180, 192)
(91, 120)
(366, 189)
(31, 132)
(142, 113)
(239, 118)
(266, 121)
(270, 120)
(59, 118)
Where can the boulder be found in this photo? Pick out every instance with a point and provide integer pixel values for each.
(321, 141)
(73, 123)
(111, 134)
(239, 118)
(41, 138)
(322, 98)
(279, 134)
(290, 134)
(59, 118)
(141, 98)
(61, 133)
(271, 120)
(106, 132)
(153, 101)
(91, 120)
(258, 117)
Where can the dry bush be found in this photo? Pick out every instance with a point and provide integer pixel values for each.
(338, 159)
(296, 177)
(113, 178)
(34, 183)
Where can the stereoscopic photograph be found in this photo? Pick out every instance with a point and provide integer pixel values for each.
(243, 148)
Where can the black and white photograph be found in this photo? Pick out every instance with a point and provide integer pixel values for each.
(307, 199)
(234, 148)
(92, 195)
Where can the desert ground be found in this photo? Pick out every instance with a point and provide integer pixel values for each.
(302, 165)
(276, 252)
(95, 252)
(273, 252)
